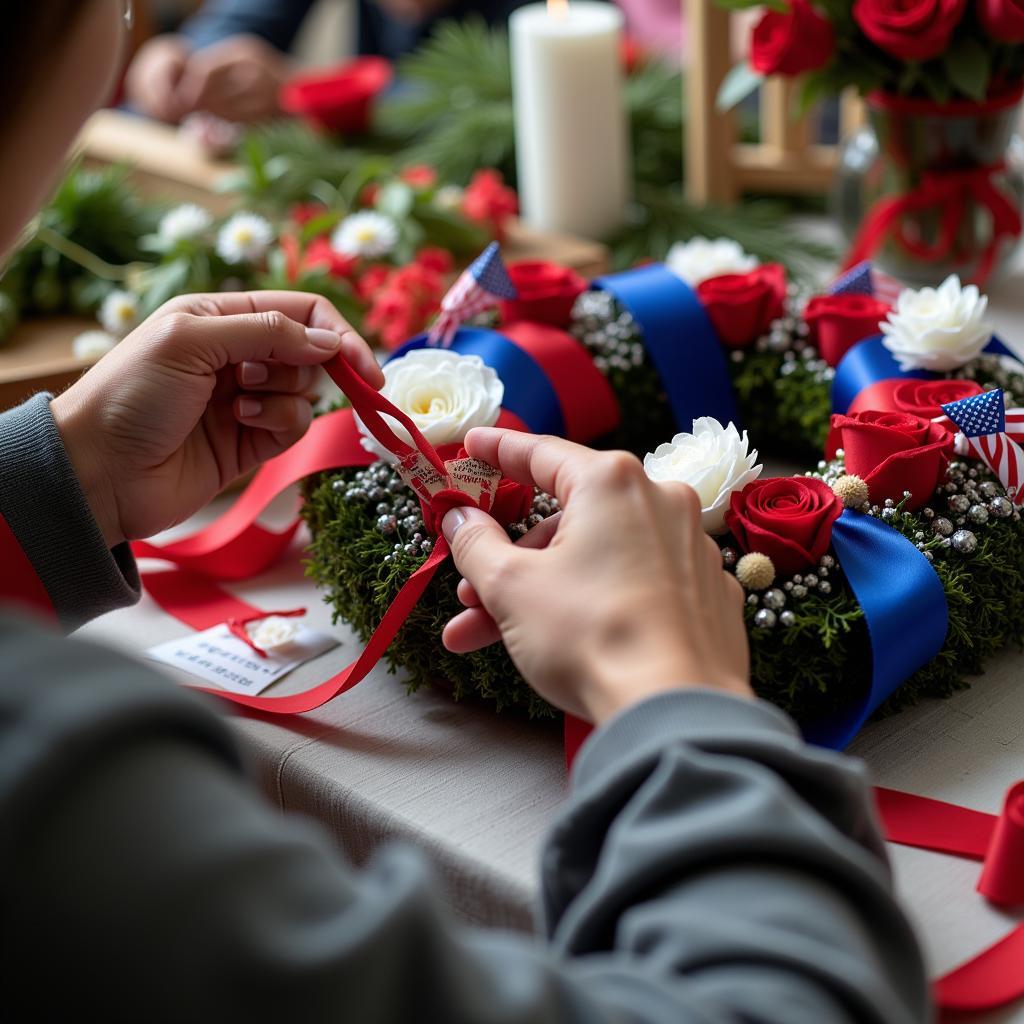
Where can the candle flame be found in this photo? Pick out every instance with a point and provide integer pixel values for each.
(558, 8)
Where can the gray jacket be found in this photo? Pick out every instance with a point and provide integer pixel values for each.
(708, 867)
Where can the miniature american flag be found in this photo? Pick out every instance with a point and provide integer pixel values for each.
(864, 279)
(993, 434)
(482, 285)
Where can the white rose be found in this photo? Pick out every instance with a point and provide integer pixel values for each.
(700, 258)
(444, 393)
(937, 328)
(714, 460)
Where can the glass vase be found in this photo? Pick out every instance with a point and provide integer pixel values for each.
(926, 190)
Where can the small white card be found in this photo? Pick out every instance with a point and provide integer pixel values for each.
(221, 658)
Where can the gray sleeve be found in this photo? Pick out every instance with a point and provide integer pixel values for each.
(276, 21)
(44, 506)
(708, 869)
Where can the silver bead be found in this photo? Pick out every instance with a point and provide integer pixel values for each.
(1000, 507)
(824, 587)
(942, 526)
(958, 503)
(765, 619)
(728, 557)
(928, 513)
(787, 618)
(964, 541)
(989, 489)
(978, 514)
(774, 599)
(889, 503)
(387, 524)
(799, 590)
(788, 585)
(752, 600)
(827, 561)
(797, 579)
(811, 580)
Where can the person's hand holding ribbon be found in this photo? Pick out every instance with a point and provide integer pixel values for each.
(204, 390)
(622, 595)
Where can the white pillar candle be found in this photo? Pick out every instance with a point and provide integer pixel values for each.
(571, 132)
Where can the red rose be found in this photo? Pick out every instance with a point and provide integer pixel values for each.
(339, 99)
(892, 452)
(742, 306)
(320, 254)
(838, 322)
(402, 303)
(923, 398)
(488, 201)
(787, 518)
(1003, 19)
(419, 176)
(909, 29)
(789, 44)
(547, 292)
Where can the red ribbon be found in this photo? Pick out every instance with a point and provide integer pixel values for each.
(951, 192)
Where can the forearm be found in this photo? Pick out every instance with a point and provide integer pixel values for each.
(278, 23)
(51, 520)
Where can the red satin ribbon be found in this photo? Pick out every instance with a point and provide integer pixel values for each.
(20, 583)
(950, 192)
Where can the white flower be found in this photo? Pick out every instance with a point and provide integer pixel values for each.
(444, 393)
(272, 632)
(448, 197)
(92, 344)
(714, 460)
(245, 238)
(366, 233)
(700, 258)
(184, 222)
(119, 313)
(937, 328)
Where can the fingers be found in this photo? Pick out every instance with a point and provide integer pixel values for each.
(278, 414)
(278, 377)
(311, 310)
(470, 631)
(481, 549)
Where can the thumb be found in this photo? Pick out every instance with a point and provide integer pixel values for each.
(480, 546)
(246, 337)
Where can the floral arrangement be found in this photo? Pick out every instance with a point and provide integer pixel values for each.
(894, 459)
(937, 49)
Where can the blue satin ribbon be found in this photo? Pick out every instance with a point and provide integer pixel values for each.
(680, 340)
(904, 608)
(869, 361)
(529, 394)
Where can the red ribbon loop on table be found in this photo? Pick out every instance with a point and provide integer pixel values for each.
(995, 976)
(950, 192)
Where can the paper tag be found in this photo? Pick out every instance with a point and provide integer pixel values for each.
(476, 478)
(221, 658)
(418, 473)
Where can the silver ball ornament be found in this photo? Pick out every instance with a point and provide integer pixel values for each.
(774, 599)
(1001, 508)
(942, 526)
(965, 542)
(978, 514)
(765, 619)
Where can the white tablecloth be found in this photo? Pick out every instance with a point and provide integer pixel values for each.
(478, 791)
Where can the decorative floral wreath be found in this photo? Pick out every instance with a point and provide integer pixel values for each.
(887, 572)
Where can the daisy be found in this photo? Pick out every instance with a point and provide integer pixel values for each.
(367, 233)
(119, 313)
(92, 344)
(184, 222)
(245, 238)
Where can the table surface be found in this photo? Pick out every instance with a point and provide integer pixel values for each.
(478, 791)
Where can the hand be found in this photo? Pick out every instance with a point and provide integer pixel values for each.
(151, 83)
(205, 389)
(237, 79)
(623, 596)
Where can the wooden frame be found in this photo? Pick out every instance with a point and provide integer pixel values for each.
(718, 167)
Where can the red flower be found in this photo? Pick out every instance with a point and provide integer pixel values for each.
(437, 259)
(289, 245)
(372, 280)
(303, 213)
(632, 55)
(742, 306)
(368, 193)
(488, 201)
(419, 176)
(792, 42)
(923, 398)
(909, 29)
(320, 254)
(1003, 19)
(838, 322)
(892, 452)
(547, 292)
(339, 99)
(787, 518)
(402, 303)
